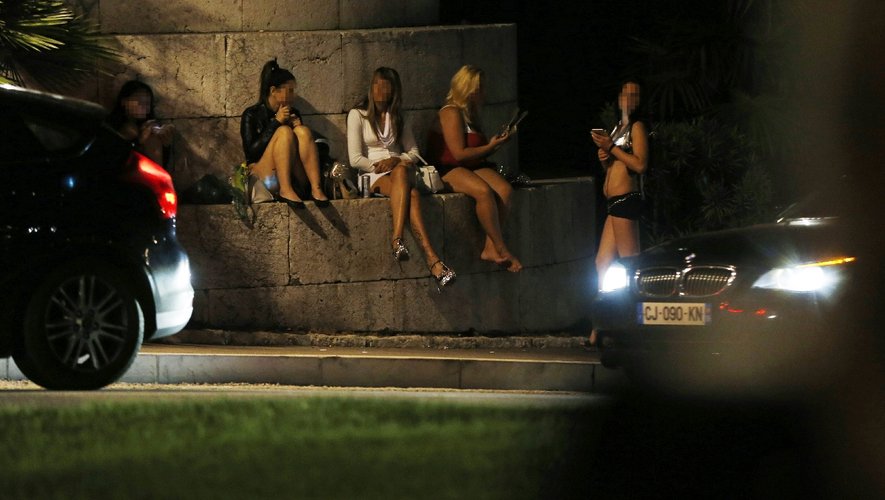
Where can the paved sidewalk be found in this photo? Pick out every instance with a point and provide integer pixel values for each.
(526, 368)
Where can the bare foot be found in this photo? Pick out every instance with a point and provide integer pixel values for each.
(593, 337)
(492, 255)
(511, 263)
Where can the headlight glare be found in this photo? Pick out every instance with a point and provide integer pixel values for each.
(615, 278)
(813, 277)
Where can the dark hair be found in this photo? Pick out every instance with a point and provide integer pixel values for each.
(638, 113)
(272, 76)
(118, 113)
(393, 108)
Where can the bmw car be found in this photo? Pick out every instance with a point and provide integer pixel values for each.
(91, 266)
(740, 305)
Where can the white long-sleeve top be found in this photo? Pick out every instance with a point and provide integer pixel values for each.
(365, 148)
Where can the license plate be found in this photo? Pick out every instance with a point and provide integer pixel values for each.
(671, 313)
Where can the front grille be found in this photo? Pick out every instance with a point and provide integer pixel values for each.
(689, 282)
(660, 282)
(702, 281)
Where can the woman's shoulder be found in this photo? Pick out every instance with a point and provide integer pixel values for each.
(253, 109)
(357, 112)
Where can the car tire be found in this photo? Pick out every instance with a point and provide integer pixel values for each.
(82, 328)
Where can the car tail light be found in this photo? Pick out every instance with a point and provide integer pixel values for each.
(148, 173)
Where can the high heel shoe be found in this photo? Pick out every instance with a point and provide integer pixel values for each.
(445, 276)
(293, 204)
(400, 252)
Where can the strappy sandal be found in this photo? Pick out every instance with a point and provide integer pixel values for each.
(446, 276)
(400, 252)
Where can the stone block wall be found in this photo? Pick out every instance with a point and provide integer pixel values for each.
(331, 269)
(203, 59)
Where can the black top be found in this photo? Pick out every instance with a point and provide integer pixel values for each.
(257, 127)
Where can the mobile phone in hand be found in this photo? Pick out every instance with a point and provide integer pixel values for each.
(600, 131)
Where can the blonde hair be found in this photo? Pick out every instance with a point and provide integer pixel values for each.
(465, 82)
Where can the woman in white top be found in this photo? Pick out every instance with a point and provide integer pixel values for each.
(380, 144)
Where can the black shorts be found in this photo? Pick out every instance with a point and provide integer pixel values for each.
(625, 206)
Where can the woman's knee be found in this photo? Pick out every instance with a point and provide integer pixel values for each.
(283, 134)
(400, 174)
(303, 133)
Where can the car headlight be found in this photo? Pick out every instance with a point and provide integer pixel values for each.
(615, 278)
(812, 277)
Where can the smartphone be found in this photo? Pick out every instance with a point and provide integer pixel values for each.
(600, 131)
(514, 121)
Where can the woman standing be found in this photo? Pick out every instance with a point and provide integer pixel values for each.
(461, 150)
(624, 155)
(380, 144)
(279, 149)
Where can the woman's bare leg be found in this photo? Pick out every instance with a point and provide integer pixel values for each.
(279, 158)
(605, 255)
(504, 194)
(308, 162)
(467, 182)
(396, 186)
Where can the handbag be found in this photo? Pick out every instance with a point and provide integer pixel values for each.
(428, 180)
(427, 177)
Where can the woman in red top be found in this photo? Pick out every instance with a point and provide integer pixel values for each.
(461, 150)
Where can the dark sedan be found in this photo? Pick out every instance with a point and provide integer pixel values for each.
(91, 264)
(737, 307)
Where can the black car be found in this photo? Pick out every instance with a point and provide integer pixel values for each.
(740, 306)
(91, 263)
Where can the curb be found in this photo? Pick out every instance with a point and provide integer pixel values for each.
(356, 367)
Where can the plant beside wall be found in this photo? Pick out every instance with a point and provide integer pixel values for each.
(44, 43)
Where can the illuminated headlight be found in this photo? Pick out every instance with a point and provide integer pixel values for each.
(615, 278)
(813, 277)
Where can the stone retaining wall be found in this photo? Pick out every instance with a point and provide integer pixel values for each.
(330, 269)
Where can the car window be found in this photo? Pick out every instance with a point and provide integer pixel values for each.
(30, 137)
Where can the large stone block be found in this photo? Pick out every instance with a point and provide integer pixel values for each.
(186, 73)
(336, 307)
(426, 59)
(357, 14)
(493, 48)
(286, 15)
(464, 236)
(180, 16)
(331, 127)
(555, 297)
(205, 146)
(226, 254)
(351, 241)
(313, 57)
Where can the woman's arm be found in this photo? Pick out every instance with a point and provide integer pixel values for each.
(638, 161)
(355, 142)
(254, 143)
(410, 147)
(452, 124)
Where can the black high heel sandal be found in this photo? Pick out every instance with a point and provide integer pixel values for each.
(446, 276)
(294, 205)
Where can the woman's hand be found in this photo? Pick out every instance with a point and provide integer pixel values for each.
(499, 139)
(386, 165)
(295, 121)
(603, 141)
(604, 157)
(283, 115)
(153, 131)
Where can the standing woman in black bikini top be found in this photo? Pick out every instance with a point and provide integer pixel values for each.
(624, 155)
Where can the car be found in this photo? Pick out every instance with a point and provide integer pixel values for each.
(91, 263)
(740, 307)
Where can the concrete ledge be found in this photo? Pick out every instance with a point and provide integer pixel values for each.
(330, 269)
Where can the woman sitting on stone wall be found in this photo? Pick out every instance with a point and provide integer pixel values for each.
(133, 117)
(382, 145)
(279, 148)
(460, 150)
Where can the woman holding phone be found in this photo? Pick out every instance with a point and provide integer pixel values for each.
(461, 149)
(133, 117)
(279, 148)
(623, 154)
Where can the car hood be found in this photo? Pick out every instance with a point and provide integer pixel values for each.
(771, 245)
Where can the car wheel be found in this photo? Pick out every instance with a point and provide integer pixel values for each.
(82, 330)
